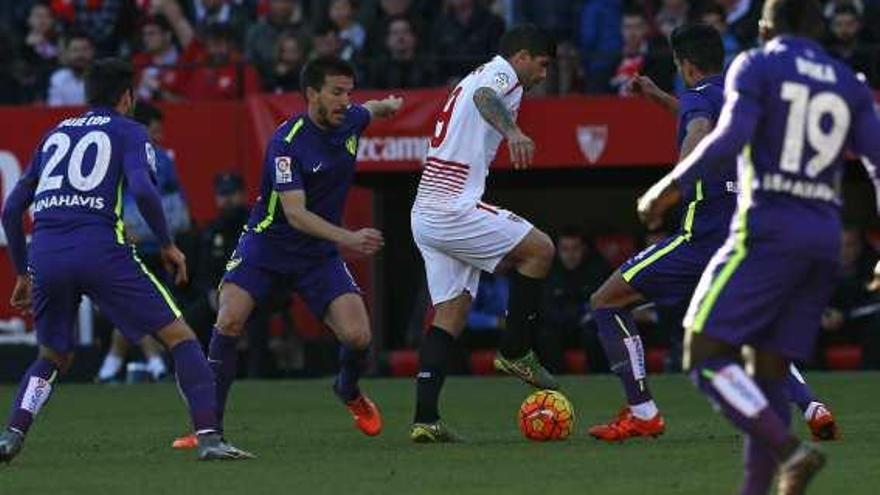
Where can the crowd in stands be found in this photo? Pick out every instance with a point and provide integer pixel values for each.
(225, 49)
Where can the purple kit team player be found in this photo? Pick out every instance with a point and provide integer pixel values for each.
(668, 272)
(793, 111)
(76, 182)
(294, 230)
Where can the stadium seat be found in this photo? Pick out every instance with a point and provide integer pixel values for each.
(481, 361)
(576, 361)
(616, 248)
(843, 357)
(656, 359)
(403, 363)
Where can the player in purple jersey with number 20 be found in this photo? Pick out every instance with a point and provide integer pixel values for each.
(76, 182)
(791, 111)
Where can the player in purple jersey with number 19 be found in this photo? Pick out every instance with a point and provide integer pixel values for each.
(792, 111)
(76, 181)
(294, 231)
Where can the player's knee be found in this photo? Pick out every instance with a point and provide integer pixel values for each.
(360, 339)
(175, 333)
(230, 324)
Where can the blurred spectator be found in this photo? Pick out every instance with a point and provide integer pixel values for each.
(832, 5)
(851, 318)
(261, 44)
(846, 44)
(400, 67)
(289, 60)
(599, 42)
(203, 13)
(375, 18)
(41, 50)
(107, 22)
(742, 17)
(641, 55)
(353, 35)
(713, 15)
(672, 14)
(11, 88)
(326, 41)
(157, 61)
(464, 36)
(489, 309)
(577, 273)
(66, 85)
(219, 71)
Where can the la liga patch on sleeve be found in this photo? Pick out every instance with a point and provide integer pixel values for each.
(283, 174)
(501, 81)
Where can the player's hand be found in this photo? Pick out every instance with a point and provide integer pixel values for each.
(642, 85)
(522, 149)
(874, 284)
(657, 201)
(391, 104)
(365, 241)
(174, 262)
(21, 294)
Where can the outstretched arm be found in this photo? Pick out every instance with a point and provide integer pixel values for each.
(385, 107)
(495, 112)
(643, 85)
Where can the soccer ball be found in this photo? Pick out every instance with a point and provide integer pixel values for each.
(546, 415)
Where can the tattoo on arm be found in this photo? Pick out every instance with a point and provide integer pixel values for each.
(697, 129)
(494, 111)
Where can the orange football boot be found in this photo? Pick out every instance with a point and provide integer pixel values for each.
(625, 426)
(822, 424)
(190, 441)
(366, 415)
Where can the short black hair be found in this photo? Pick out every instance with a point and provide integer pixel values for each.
(634, 11)
(146, 113)
(400, 17)
(107, 80)
(795, 17)
(708, 8)
(847, 9)
(219, 32)
(317, 70)
(699, 44)
(528, 37)
(78, 35)
(572, 231)
(326, 27)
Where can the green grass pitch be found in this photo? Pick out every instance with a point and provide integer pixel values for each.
(115, 440)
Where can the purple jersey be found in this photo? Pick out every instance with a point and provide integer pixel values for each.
(80, 171)
(793, 111)
(712, 200)
(302, 156)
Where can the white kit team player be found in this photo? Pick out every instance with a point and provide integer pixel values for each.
(459, 236)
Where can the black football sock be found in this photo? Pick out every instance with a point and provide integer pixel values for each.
(522, 315)
(433, 357)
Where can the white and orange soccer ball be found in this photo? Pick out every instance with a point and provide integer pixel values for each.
(546, 415)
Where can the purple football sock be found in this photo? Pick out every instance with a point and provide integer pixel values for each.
(196, 383)
(352, 364)
(623, 347)
(742, 401)
(798, 391)
(33, 392)
(760, 464)
(223, 358)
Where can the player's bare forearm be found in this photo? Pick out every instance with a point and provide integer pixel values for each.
(665, 100)
(696, 130)
(385, 107)
(307, 222)
(493, 110)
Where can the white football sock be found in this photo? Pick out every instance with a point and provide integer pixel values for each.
(110, 367)
(645, 410)
(156, 367)
(811, 409)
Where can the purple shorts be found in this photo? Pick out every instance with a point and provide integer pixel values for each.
(668, 272)
(317, 281)
(763, 296)
(112, 276)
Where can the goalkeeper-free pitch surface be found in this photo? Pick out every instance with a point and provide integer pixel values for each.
(93, 439)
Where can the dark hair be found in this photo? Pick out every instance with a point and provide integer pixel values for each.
(795, 17)
(571, 231)
(218, 31)
(847, 9)
(77, 35)
(316, 71)
(527, 37)
(107, 80)
(326, 27)
(400, 17)
(708, 8)
(146, 113)
(633, 11)
(158, 20)
(699, 44)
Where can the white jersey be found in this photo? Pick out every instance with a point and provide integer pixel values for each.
(464, 143)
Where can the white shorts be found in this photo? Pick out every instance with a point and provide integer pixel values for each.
(457, 246)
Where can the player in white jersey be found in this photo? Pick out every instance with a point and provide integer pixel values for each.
(459, 236)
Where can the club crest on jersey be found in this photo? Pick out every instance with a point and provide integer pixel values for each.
(502, 81)
(282, 170)
(592, 140)
(351, 144)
